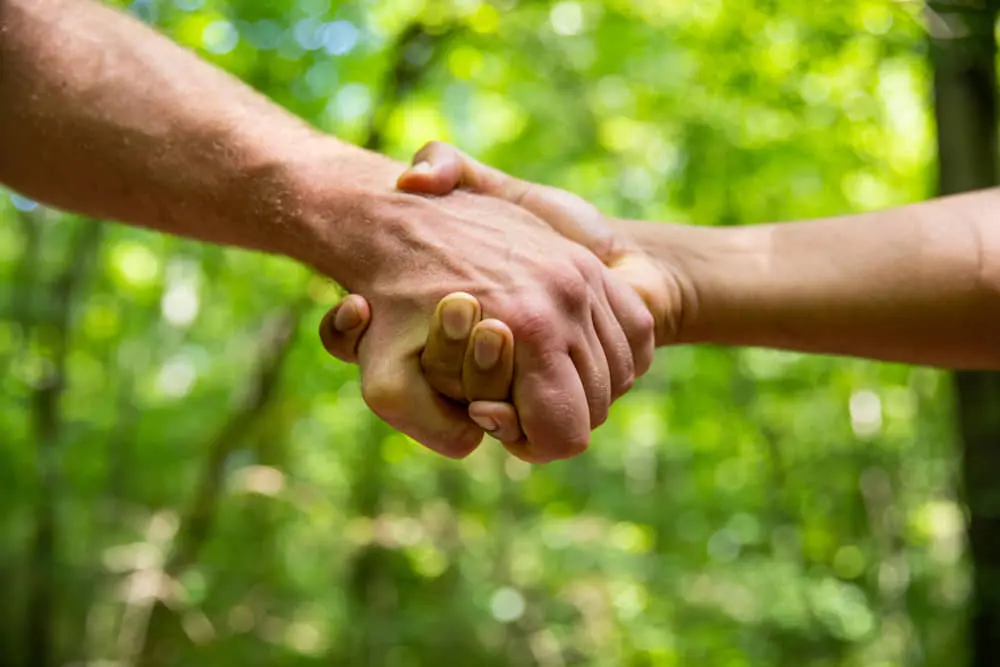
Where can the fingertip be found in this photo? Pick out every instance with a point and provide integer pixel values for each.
(498, 419)
(488, 369)
(491, 339)
(422, 183)
(437, 170)
(485, 422)
(458, 313)
(343, 326)
(487, 348)
(351, 313)
(443, 356)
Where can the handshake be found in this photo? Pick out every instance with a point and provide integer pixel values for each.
(494, 305)
(584, 303)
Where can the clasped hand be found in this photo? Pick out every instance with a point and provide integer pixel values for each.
(574, 355)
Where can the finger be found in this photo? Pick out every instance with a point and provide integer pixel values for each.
(488, 370)
(635, 320)
(394, 387)
(487, 376)
(500, 421)
(592, 364)
(438, 168)
(445, 350)
(615, 346)
(552, 404)
(343, 326)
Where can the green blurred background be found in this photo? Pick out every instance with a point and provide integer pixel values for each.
(188, 479)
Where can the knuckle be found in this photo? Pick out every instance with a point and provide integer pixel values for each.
(571, 289)
(460, 444)
(384, 395)
(589, 264)
(532, 322)
(645, 324)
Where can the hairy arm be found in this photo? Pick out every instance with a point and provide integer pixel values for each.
(918, 284)
(103, 116)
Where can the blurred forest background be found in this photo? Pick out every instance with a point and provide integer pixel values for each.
(187, 479)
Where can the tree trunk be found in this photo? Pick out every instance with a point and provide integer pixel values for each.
(40, 615)
(964, 51)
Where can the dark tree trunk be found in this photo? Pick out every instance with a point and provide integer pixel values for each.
(40, 615)
(964, 51)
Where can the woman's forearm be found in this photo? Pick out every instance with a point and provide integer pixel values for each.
(918, 284)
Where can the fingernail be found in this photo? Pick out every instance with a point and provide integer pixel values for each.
(422, 167)
(485, 422)
(456, 318)
(347, 317)
(488, 345)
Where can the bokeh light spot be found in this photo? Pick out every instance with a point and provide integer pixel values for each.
(566, 18)
(339, 37)
(507, 605)
(220, 37)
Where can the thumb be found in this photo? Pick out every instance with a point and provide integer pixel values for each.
(343, 326)
(439, 168)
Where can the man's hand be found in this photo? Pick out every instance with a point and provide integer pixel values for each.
(583, 335)
(439, 169)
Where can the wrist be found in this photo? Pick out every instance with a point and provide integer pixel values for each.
(726, 269)
(714, 280)
(658, 259)
(334, 216)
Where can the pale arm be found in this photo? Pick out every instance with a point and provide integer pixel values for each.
(918, 284)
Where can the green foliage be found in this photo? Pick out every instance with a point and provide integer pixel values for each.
(740, 507)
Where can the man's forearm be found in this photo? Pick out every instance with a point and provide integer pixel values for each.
(102, 116)
(918, 284)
